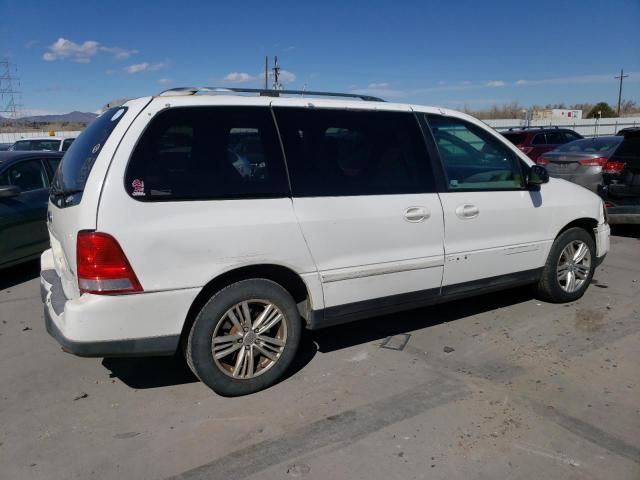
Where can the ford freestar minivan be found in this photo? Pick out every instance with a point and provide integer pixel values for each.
(223, 222)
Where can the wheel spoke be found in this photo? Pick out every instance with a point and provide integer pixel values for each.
(226, 350)
(263, 316)
(581, 271)
(270, 324)
(246, 315)
(239, 362)
(270, 355)
(271, 340)
(226, 339)
(234, 320)
(580, 253)
(571, 281)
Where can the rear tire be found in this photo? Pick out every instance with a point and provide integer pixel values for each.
(244, 338)
(569, 268)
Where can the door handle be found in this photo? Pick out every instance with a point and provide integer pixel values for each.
(467, 211)
(416, 214)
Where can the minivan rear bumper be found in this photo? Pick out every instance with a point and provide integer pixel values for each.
(142, 324)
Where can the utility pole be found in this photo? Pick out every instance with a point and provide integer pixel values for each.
(266, 72)
(621, 77)
(8, 92)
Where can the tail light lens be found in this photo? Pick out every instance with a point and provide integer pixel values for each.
(593, 162)
(613, 167)
(542, 161)
(102, 266)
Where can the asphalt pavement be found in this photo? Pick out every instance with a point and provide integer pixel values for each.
(498, 386)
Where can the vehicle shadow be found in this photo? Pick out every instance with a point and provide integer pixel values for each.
(379, 328)
(12, 276)
(628, 231)
(154, 372)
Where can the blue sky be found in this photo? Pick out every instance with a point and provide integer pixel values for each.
(77, 55)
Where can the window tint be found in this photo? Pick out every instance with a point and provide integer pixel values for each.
(629, 151)
(539, 139)
(339, 152)
(40, 145)
(28, 175)
(208, 152)
(515, 138)
(555, 138)
(473, 158)
(568, 136)
(79, 159)
(591, 145)
(67, 143)
(53, 165)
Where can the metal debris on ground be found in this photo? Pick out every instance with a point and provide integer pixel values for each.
(396, 342)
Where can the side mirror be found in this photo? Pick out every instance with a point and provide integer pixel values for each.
(537, 176)
(9, 191)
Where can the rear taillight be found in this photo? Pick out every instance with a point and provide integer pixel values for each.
(613, 167)
(525, 149)
(102, 266)
(542, 161)
(593, 162)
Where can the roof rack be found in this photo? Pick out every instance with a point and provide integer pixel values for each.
(263, 93)
(533, 127)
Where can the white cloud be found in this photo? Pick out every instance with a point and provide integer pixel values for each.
(243, 77)
(496, 83)
(378, 85)
(63, 49)
(145, 67)
(165, 81)
(240, 77)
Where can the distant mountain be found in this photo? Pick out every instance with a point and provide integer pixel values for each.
(72, 117)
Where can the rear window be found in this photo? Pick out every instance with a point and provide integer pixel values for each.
(590, 145)
(515, 138)
(198, 153)
(39, 145)
(629, 152)
(77, 162)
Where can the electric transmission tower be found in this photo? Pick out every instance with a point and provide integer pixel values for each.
(9, 83)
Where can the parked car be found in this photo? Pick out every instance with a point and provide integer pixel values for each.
(621, 193)
(359, 208)
(534, 141)
(624, 131)
(49, 144)
(24, 191)
(583, 161)
(5, 146)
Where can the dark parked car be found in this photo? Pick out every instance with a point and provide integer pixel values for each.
(534, 141)
(584, 161)
(621, 194)
(5, 146)
(24, 192)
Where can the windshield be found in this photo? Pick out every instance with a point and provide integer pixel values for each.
(590, 145)
(77, 162)
(49, 145)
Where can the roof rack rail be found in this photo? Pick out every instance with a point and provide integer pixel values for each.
(263, 93)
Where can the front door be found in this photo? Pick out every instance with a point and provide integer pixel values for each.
(364, 196)
(494, 226)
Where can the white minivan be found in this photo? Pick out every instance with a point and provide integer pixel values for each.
(223, 221)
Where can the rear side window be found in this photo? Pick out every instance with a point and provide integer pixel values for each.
(197, 153)
(341, 153)
(555, 138)
(27, 175)
(77, 162)
(539, 139)
(515, 138)
(40, 145)
(67, 143)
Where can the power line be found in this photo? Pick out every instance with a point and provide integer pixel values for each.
(622, 76)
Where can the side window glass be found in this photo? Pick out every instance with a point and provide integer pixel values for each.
(344, 153)
(555, 138)
(473, 158)
(208, 153)
(66, 144)
(28, 175)
(539, 139)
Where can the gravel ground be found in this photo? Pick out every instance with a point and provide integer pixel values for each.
(499, 386)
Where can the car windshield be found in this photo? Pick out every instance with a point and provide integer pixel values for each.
(24, 145)
(590, 145)
(515, 138)
(76, 165)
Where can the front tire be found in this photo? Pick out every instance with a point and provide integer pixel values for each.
(569, 268)
(245, 337)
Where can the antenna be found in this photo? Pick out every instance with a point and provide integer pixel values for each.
(266, 72)
(8, 92)
(622, 76)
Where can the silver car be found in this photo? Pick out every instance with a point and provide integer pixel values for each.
(583, 161)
